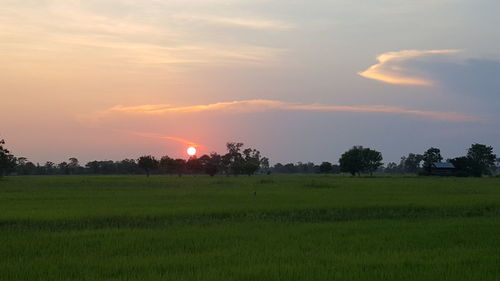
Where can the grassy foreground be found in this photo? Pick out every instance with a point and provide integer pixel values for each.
(249, 228)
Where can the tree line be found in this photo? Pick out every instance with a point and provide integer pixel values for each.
(238, 160)
(479, 160)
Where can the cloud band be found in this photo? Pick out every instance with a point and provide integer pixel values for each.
(251, 106)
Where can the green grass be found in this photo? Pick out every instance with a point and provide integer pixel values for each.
(293, 228)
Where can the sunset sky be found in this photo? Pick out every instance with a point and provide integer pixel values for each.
(298, 80)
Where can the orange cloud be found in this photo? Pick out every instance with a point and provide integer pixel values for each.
(390, 67)
(245, 106)
(252, 106)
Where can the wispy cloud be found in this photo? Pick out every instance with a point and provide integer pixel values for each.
(254, 106)
(60, 31)
(165, 137)
(163, 55)
(391, 67)
(251, 23)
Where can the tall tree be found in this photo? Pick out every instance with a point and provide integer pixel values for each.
(251, 158)
(73, 165)
(372, 160)
(482, 159)
(242, 161)
(432, 155)
(264, 165)
(148, 163)
(352, 160)
(359, 159)
(233, 159)
(7, 160)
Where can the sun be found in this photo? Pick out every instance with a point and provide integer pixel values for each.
(191, 151)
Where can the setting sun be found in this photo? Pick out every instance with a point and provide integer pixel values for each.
(191, 151)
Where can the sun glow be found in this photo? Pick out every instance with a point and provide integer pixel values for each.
(191, 151)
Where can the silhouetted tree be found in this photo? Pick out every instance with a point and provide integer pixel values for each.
(49, 168)
(299, 168)
(73, 165)
(127, 166)
(211, 164)
(148, 163)
(166, 165)
(105, 167)
(352, 160)
(432, 155)
(25, 167)
(30, 169)
(482, 159)
(335, 169)
(277, 168)
(290, 168)
(372, 160)
(7, 160)
(411, 163)
(462, 166)
(233, 160)
(93, 166)
(63, 168)
(393, 168)
(251, 161)
(307, 168)
(194, 165)
(359, 159)
(325, 167)
(238, 162)
(264, 165)
(179, 166)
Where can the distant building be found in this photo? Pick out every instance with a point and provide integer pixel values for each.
(442, 169)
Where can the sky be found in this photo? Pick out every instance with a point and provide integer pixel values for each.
(297, 80)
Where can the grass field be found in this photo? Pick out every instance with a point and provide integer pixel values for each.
(249, 228)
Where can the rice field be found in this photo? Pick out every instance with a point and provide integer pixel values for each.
(279, 227)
